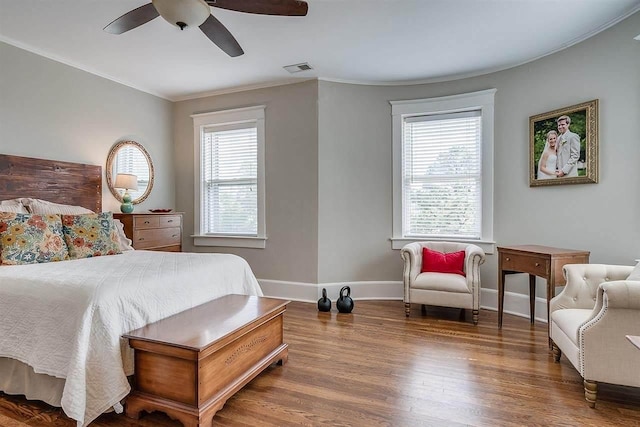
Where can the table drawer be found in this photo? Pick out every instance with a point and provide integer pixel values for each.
(146, 221)
(525, 264)
(156, 237)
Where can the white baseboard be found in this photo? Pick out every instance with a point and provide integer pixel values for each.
(311, 292)
(514, 303)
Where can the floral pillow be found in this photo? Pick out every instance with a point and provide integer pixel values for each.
(90, 235)
(31, 239)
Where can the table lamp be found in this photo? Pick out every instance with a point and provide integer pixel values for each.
(126, 182)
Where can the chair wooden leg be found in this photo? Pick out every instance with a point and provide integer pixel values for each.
(407, 308)
(557, 353)
(476, 313)
(590, 392)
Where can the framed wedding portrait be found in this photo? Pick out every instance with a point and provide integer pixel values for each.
(563, 146)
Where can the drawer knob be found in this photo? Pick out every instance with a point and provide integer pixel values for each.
(146, 222)
(537, 264)
(141, 239)
(508, 259)
(170, 220)
(175, 235)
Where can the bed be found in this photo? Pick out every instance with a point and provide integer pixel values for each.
(61, 322)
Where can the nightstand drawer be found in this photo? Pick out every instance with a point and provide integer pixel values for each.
(156, 237)
(170, 221)
(146, 221)
(526, 264)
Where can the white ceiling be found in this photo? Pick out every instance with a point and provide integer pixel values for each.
(363, 41)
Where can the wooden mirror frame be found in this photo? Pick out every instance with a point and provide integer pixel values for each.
(110, 178)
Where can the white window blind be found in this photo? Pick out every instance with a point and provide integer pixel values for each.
(441, 175)
(229, 184)
(131, 160)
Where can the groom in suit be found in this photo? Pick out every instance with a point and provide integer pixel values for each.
(568, 149)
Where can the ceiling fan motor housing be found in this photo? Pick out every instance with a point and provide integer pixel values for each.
(183, 13)
(197, 13)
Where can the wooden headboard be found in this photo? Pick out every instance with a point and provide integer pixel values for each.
(52, 180)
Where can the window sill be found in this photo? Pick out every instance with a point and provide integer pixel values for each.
(257, 242)
(488, 247)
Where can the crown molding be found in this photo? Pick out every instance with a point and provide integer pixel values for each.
(243, 88)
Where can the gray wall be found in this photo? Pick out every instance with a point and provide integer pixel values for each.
(291, 175)
(54, 111)
(328, 155)
(355, 199)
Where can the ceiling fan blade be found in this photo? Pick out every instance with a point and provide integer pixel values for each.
(219, 34)
(132, 19)
(263, 7)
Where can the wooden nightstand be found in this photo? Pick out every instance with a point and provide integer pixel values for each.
(153, 231)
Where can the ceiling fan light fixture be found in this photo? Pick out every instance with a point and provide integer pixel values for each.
(183, 13)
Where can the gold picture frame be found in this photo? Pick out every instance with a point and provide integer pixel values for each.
(572, 165)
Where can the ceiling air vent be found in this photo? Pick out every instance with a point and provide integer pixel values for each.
(296, 68)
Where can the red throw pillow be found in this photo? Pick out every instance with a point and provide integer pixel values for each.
(438, 262)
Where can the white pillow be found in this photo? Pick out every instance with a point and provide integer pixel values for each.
(635, 274)
(43, 207)
(124, 242)
(13, 206)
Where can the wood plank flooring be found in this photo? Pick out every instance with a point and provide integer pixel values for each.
(375, 368)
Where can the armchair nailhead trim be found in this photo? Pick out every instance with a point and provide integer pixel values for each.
(586, 326)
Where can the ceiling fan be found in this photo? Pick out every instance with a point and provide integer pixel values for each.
(197, 13)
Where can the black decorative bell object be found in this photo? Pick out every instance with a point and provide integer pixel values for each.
(324, 303)
(345, 303)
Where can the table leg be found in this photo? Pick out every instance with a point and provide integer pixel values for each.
(551, 292)
(501, 277)
(532, 297)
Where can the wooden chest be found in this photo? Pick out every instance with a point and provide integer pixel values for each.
(189, 364)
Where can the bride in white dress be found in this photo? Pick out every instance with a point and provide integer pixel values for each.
(547, 163)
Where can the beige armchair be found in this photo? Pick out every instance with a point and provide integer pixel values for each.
(442, 289)
(589, 321)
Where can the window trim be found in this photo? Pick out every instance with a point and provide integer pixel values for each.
(254, 114)
(482, 100)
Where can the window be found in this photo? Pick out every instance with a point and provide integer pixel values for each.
(443, 169)
(229, 201)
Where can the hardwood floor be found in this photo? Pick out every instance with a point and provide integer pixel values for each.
(375, 367)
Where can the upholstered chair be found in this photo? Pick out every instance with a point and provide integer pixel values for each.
(442, 289)
(589, 321)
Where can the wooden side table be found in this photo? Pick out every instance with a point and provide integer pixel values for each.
(541, 261)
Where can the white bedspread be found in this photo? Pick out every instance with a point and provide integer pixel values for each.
(65, 318)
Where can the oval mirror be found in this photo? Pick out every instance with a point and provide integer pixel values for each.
(130, 157)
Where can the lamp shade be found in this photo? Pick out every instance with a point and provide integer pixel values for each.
(126, 181)
(183, 13)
